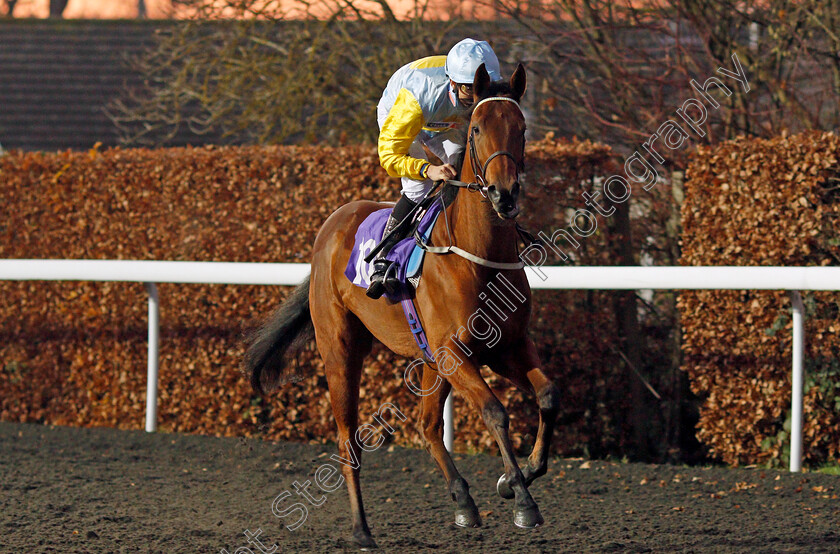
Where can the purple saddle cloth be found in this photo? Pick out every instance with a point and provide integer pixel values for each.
(406, 253)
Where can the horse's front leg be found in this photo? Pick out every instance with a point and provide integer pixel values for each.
(467, 380)
(522, 367)
(466, 513)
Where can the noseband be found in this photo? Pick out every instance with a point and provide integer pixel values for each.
(479, 169)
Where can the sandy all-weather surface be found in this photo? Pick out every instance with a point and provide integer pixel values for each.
(105, 490)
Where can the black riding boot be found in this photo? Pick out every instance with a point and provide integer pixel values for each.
(384, 276)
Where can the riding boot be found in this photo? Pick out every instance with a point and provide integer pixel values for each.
(384, 276)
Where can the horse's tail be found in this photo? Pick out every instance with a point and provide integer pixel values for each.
(278, 340)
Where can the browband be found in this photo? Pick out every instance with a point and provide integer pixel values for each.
(504, 98)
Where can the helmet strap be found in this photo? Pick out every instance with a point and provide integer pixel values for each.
(453, 95)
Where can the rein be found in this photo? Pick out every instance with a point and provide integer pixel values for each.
(479, 170)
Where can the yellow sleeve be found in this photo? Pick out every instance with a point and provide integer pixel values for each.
(400, 128)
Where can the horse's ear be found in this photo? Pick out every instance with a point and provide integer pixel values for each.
(518, 83)
(481, 83)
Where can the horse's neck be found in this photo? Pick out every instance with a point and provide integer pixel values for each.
(477, 228)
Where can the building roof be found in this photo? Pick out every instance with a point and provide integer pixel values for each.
(57, 76)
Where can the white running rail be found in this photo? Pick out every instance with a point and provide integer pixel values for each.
(793, 279)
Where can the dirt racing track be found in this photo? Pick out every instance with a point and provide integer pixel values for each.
(105, 490)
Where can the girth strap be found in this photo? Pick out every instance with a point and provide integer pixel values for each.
(416, 327)
(452, 249)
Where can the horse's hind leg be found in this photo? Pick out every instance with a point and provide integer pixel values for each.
(466, 514)
(523, 369)
(343, 344)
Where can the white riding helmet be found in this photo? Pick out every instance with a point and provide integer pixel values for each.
(465, 57)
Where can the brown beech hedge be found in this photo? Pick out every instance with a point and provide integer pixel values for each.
(762, 202)
(74, 353)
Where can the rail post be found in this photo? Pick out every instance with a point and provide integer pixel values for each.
(152, 371)
(448, 423)
(796, 381)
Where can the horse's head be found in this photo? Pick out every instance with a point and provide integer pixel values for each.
(497, 139)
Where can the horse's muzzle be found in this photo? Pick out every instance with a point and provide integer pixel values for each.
(504, 201)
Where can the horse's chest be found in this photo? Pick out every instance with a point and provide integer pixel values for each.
(493, 324)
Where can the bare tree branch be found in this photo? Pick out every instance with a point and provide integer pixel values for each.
(614, 71)
(266, 79)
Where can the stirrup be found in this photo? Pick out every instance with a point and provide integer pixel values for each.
(384, 279)
(375, 290)
(390, 280)
(377, 285)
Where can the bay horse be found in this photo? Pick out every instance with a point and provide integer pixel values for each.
(344, 320)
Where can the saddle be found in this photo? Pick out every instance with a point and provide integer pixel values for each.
(406, 253)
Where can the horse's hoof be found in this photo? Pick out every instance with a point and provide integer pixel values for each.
(503, 488)
(365, 542)
(527, 518)
(467, 518)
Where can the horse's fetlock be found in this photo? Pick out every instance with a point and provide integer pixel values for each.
(515, 480)
(536, 470)
(459, 488)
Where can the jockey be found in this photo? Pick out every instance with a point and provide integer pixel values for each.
(422, 116)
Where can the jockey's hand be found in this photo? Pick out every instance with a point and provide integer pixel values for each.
(441, 172)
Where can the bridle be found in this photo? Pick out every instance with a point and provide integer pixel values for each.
(479, 169)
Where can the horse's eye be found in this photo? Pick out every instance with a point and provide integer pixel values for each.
(475, 130)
